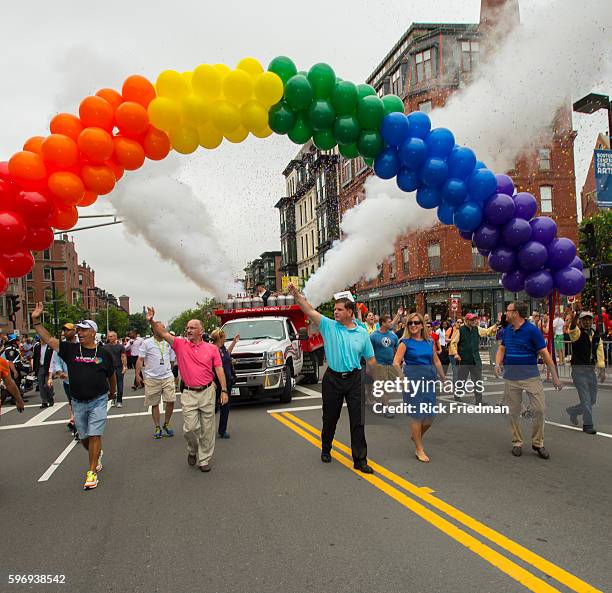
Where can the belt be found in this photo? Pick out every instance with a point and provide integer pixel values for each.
(199, 387)
(345, 374)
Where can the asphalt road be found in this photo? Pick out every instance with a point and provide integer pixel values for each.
(270, 517)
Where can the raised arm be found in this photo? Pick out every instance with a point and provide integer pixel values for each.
(306, 307)
(397, 317)
(45, 336)
(159, 329)
(234, 342)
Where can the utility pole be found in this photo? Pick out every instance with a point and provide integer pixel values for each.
(54, 295)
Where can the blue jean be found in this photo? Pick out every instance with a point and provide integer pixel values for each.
(90, 416)
(119, 376)
(585, 380)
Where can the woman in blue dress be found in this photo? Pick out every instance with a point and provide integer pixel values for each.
(417, 358)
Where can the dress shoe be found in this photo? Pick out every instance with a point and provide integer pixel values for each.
(542, 452)
(364, 468)
(191, 459)
(517, 451)
(44, 405)
(573, 416)
(205, 468)
(326, 458)
(589, 430)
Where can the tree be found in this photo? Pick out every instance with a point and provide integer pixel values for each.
(117, 321)
(602, 222)
(138, 323)
(66, 313)
(203, 311)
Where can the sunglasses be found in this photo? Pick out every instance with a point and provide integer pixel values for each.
(414, 323)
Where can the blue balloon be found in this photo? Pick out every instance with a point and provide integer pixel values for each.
(440, 142)
(419, 124)
(446, 213)
(387, 163)
(480, 165)
(434, 172)
(407, 180)
(467, 235)
(413, 153)
(461, 162)
(394, 129)
(468, 216)
(481, 185)
(454, 192)
(428, 198)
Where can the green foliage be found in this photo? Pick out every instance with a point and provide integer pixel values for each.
(602, 221)
(66, 314)
(117, 321)
(203, 311)
(327, 308)
(138, 323)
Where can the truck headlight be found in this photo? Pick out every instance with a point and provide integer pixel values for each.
(275, 359)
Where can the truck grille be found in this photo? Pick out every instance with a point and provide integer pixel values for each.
(245, 362)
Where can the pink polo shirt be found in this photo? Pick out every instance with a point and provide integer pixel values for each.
(196, 362)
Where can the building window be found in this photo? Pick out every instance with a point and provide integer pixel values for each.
(360, 165)
(381, 272)
(425, 106)
(546, 199)
(544, 159)
(423, 63)
(306, 239)
(46, 254)
(30, 275)
(470, 53)
(76, 297)
(478, 260)
(48, 295)
(433, 255)
(396, 82)
(392, 269)
(405, 262)
(46, 273)
(312, 237)
(346, 171)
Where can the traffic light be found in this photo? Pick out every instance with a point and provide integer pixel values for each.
(588, 242)
(13, 306)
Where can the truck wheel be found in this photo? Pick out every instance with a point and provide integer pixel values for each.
(287, 392)
(313, 378)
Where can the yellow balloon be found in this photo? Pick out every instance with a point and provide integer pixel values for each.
(267, 131)
(223, 69)
(238, 135)
(250, 65)
(164, 113)
(209, 137)
(238, 86)
(206, 81)
(225, 116)
(254, 116)
(196, 110)
(171, 84)
(184, 139)
(187, 76)
(268, 88)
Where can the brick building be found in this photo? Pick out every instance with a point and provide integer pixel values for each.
(87, 288)
(14, 297)
(431, 268)
(266, 270)
(588, 194)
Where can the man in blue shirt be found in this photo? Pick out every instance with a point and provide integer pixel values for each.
(345, 344)
(517, 361)
(385, 344)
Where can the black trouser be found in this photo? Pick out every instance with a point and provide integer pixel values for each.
(336, 389)
(223, 410)
(475, 373)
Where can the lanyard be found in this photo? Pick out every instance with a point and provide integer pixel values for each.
(162, 350)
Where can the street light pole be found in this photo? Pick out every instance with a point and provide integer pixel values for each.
(54, 296)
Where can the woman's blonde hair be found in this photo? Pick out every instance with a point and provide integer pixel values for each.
(424, 333)
(217, 334)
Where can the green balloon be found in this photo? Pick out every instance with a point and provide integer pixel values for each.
(393, 104)
(370, 144)
(370, 112)
(281, 118)
(348, 151)
(347, 129)
(364, 90)
(321, 115)
(283, 67)
(298, 92)
(322, 78)
(344, 97)
(301, 131)
(324, 139)
(369, 162)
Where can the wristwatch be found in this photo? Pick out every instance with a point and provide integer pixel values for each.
(224, 391)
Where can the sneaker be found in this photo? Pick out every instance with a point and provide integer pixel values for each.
(70, 426)
(169, 431)
(76, 436)
(91, 481)
(119, 405)
(589, 430)
(224, 435)
(158, 433)
(113, 403)
(573, 416)
(43, 405)
(99, 466)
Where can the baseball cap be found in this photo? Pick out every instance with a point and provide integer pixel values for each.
(585, 314)
(11, 337)
(68, 326)
(88, 324)
(470, 316)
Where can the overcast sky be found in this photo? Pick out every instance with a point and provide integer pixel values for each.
(52, 54)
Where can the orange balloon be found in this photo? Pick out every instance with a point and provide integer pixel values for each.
(60, 150)
(67, 124)
(64, 217)
(88, 199)
(112, 96)
(132, 119)
(67, 187)
(129, 154)
(98, 178)
(96, 112)
(117, 170)
(33, 144)
(138, 89)
(28, 169)
(156, 144)
(95, 144)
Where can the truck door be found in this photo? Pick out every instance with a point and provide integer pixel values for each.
(296, 347)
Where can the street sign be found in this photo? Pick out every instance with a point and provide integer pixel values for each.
(454, 307)
(295, 280)
(454, 302)
(571, 300)
(603, 178)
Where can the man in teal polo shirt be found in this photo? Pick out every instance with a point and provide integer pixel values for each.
(345, 343)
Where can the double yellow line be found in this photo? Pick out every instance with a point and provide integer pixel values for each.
(506, 565)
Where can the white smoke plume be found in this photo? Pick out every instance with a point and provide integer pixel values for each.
(370, 230)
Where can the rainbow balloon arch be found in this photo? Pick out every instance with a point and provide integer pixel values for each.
(83, 158)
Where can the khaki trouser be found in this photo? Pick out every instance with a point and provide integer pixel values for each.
(199, 422)
(513, 397)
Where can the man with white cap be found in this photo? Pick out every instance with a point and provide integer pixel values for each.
(92, 383)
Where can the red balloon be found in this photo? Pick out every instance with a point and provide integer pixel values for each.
(16, 264)
(8, 193)
(35, 208)
(39, 238)
(13, 230)
(28, 169)
(88, 199)
(3, 282)
(64, 217)
(4, 171)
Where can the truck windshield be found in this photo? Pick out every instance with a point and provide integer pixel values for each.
(253, 329)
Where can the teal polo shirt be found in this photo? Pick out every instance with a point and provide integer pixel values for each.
(344, 347)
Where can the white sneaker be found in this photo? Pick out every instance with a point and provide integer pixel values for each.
(119, 405)
(99, 466)
(113, 403)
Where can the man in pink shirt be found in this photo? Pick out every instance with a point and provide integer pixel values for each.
(198, 361)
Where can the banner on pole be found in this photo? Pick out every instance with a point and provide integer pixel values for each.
(603, 178)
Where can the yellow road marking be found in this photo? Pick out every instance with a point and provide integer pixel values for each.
(424, 493)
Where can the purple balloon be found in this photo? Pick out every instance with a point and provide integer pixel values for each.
(561, 252)
(544, 229)
(577, 263)
(502, 259)
(569, 281)
(532, 256)
(539, 284)
(499, 209)
(505, 185)
(484, 252)
(468, 216)
(486, 236)
(525, 205)
(516, 232)
(467, 235)
(514, 281)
